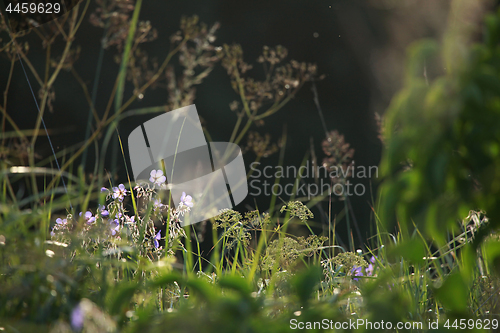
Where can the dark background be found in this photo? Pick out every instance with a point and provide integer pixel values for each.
(358, 45)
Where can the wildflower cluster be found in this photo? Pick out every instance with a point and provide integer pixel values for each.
(297, 209)
(235, 228)
(350, 262)
(238, 229)
(256, 219)
(286, 251)
(369, 271)
(112, 221)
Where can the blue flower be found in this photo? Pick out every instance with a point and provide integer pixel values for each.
(370, 269)
(356, 271)
(103, 211)
(186, 200)
(61, 221)
(77, 318)
(115, 226)
(119, 192)
(88, 217)
(157, 177)
(103, 189)
(156, 239)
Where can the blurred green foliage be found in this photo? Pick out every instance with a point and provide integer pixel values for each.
(443, 140)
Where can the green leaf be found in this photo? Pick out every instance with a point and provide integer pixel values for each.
(491, 253)
(236, 283)
(306, 282)
(122, 296)
(126, 55)
(453, 294)
(412, 251)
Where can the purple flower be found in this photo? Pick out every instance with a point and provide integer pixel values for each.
(157, 204)
(88, 217)
(77, 318)
(119, 192)
(61, 221)
(156, 239)
(356, 271)
(115, 226)
(370, 269)
(103, 189)
(103, 211)
(157, 177)
(186, 200)
(52, 233)
(119, 216)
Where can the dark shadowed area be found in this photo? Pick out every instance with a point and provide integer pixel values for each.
(359, 47)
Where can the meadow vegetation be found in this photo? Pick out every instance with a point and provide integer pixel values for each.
(86, 252)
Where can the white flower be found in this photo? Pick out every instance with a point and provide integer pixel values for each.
(184, 205)
(157, 177)
(119, 192)
(186, 200)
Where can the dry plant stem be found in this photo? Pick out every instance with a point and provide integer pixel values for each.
(47, 63)
(275, 108)
(27, 62)
(13, 124)
(50, 81)
(86, 93)
(110, 102)
(84, 11)
(104, 122)
(242, 91)
(42, 36)
(154, 77)
(236, 127)
(61, 29)
(5, 95)
(252, 116)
